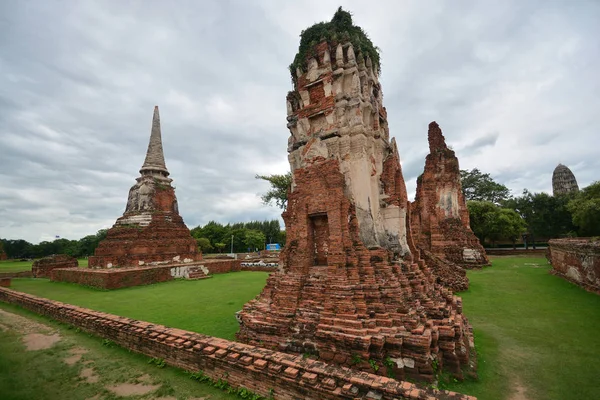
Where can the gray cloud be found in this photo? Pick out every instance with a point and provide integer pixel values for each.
(78, 81)
(481, 142)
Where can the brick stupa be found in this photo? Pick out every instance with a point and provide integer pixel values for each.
(151, 231)
(439, 214)
(351, 287)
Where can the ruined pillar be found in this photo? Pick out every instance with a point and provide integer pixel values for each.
(439, 215)
(351, 289)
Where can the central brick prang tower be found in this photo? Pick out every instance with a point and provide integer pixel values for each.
(351, 286)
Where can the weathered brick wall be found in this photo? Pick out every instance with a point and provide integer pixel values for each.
(218, 266)
(114, 278)
(263, 371)
(43, 267)
(5, 282)
(577, 260)
(447, 273)
(156, 234)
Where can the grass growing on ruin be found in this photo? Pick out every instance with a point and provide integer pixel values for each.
(206, 306)
(53, 373)
(535, 333)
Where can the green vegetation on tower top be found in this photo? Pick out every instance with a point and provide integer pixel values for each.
(340, 29)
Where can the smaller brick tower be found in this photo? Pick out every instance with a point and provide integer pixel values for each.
(151, 229)
(439, 214)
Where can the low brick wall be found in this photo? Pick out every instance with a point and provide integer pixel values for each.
(117, 278)
(262, 371)
(221, 266)
(114, 278)
(20, 274)
(576, 260)
(43, 267)
(5, 282)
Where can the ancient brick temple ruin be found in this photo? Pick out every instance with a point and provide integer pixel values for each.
(563, 181)
(151, 229)
(351, 288)
(440, 218)
(43, 267)
(3, 255)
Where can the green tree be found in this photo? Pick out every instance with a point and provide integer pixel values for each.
(493, 223)
(280, 184)
(481, 187)
(254, 239)
(220, 246)
(546, 216)
(204, 244)
(585, 209)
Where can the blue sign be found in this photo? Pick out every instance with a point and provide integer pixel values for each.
(273, 246)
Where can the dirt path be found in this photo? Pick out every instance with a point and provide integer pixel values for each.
(92, 373)
(36, 336)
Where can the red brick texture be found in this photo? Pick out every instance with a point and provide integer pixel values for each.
(5, 282)
(358, 305)
(43, 267)
(117, 278)
(217, 266)
(577, 260)
(113, 278)
(439, 215)
(351, 287)
(262, 371)
(164, 239)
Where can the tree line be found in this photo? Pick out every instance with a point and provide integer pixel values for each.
(496, 215)
(84, 247)
(212, 237)
(215, 237)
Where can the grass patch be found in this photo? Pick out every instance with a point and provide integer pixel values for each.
(15, 266)
(206, 306)
(44, 374)
(18, 266)
(532, 329)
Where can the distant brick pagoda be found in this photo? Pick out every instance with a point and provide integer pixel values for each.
(563, 181)
(351, 287)
(3, 255)
(151, 229)
(440, 218)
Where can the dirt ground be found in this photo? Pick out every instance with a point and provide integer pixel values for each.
(93, 371)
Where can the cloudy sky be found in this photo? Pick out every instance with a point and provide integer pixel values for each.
(514, 86)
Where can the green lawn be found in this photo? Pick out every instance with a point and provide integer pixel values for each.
(535, 333)
(15, 266)
(18, 266)
(207, 306)
(47, 374)
(532, 330)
